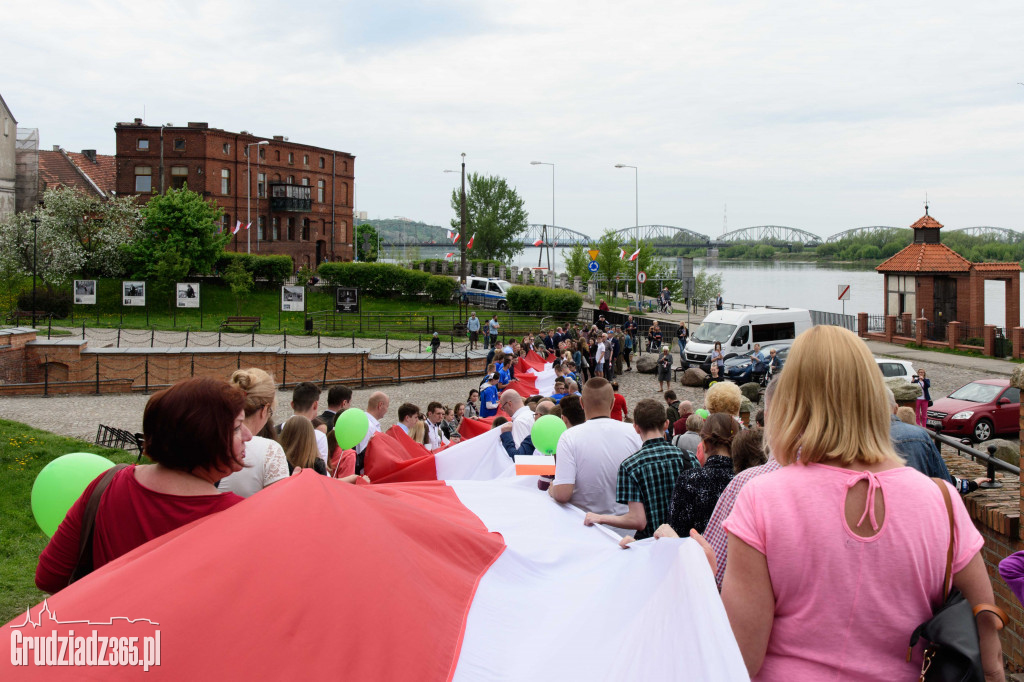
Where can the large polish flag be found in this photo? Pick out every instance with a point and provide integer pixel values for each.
(480, 580)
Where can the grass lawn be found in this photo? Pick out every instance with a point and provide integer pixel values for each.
(24, 451)
(400, 318)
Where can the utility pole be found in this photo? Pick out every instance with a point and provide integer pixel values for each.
(462, 232)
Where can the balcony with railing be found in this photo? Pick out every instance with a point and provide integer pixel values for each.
(290, 198)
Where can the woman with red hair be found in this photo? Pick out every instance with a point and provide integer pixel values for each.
(194, 434)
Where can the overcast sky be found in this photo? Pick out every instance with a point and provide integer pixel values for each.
(815, 114)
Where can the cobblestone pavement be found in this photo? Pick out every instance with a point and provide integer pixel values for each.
(79, 416)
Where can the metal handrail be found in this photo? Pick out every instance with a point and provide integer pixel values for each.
(988, 459)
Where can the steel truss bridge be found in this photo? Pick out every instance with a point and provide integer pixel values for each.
(670, 235)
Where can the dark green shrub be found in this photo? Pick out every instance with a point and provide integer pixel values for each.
(272, 269)
(439, 288)
(382, 280)
(562, 301)
(526, 298)
(52, 301)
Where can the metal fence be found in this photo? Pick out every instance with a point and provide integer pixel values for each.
(837, 319)
(152, 372)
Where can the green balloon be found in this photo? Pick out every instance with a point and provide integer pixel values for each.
(61, 483)
(350, 428)
(703, 414)
(546, 432)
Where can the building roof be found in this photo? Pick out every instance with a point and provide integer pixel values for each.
(926, 221)
(8, 109)
(91, 173)
(926, 258)
(998, 267)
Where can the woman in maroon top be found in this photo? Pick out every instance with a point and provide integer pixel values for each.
(195, 436)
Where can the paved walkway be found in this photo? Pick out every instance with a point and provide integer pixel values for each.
(921, 356)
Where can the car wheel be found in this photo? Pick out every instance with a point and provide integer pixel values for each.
(502, 305)
(982, 431)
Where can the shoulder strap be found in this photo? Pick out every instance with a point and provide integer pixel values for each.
(947, 580)
(84, 565)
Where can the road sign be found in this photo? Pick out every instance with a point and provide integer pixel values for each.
(593, 266)
(641, 277)
(593, 254)
(844, 292)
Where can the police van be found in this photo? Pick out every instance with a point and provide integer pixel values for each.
(739, 330)
(488, 292)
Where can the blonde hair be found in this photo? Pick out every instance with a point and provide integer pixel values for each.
(906, 414)
(723, 397)
(259, 388)
(299, 442)
(830, 403)
(418, 431)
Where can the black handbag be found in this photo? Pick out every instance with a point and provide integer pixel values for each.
(953, 653)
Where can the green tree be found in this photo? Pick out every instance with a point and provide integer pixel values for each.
(180, 222)
(576, 262)
(495, 217)
(610, 260)
(366, 243)
(166, 273)
(706, 286)
(76, 234)
(240, 281)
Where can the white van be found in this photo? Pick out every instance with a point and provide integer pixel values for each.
(739, 330)
(489, 292)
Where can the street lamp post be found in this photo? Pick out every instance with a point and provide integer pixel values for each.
(248, 190)
(554, 253)
(462, 221)
(636, 203)
(35, 227)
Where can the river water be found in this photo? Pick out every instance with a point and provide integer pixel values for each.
(809, 285)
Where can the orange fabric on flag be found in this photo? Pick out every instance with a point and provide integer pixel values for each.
(320, 552)
(387, 461)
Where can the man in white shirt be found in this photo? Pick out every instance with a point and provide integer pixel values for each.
(599, 358)
(305, 402)
(435, 437)
(376, 408)
(408, 415)
(522, 417)
(589, 455)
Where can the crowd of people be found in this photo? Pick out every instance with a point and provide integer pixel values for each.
(813, 513)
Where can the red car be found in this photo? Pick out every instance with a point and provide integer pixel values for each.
(979, 410)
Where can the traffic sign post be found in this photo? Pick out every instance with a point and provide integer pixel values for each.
(844, 295)
(593, 266)
(641, 277)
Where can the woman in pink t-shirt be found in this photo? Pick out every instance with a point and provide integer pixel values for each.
(835, 558)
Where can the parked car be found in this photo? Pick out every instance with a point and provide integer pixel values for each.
(901, 369)
(978, 410)
(488, 292)
(739, 330)
(740, 368)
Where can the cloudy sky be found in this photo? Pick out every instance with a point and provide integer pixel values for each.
(816, 114)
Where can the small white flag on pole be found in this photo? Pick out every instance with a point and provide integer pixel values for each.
(238, 226)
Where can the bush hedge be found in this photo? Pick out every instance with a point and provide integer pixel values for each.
(52, 301)
(383, 280)
(545, 299)
(273, 269)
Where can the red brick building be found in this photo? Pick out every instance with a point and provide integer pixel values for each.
(88, 172)
(931, 281)
(297, 197)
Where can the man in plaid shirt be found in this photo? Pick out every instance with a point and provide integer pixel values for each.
(714, 533)
(647, 477)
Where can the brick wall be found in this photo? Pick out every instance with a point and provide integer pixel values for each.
(64, 365)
